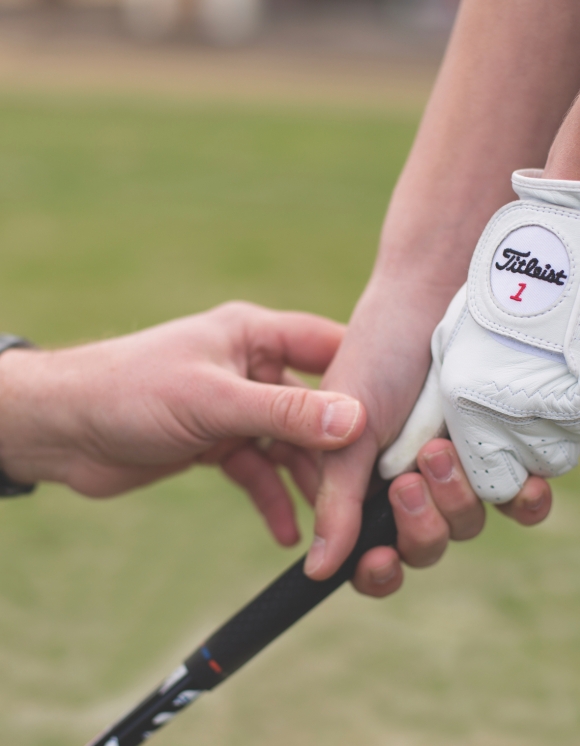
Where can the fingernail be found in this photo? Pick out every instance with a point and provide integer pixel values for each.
(439, 465)
(340, 417)
(315, 555)
(413, 497)
(382, 575)
(535, 505)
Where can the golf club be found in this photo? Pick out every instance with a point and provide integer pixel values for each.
(281, 604)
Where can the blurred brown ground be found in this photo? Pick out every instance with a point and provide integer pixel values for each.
(345, 58)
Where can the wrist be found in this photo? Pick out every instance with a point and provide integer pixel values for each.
(32, 448)
(404, 291)
(435, 264)
(434, 221)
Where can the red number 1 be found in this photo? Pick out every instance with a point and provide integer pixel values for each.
(518, 295)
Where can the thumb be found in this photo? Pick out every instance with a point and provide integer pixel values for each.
(339, 506)
(425, 423)
(311, 419)
(346, 476)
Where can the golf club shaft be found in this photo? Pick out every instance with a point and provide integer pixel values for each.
(281, 604)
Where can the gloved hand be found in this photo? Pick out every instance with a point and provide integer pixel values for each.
(506, 356)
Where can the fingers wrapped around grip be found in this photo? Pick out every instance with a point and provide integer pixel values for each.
(435, 506)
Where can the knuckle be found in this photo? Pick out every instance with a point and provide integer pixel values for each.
(426, 557)
(234, 309)
(235, 306)
(426, 548)
(468, 527)
(461, 508)
(367, 587)
(456, 499)
(466, 518)
(290, 410)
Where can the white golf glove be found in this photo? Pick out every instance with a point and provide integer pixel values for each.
(506, 356)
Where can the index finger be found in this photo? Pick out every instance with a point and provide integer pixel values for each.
(302, 341)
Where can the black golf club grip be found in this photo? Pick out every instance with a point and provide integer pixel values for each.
(287, 599)
(281, 604)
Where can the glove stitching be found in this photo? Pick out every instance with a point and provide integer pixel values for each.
(472, 407)
(560, 444)
(511, 208)
(520, 335)
(568, 290)
(569, 424)
(574, 339)
(548, 186)
(481, 254)
(510, 468)
(576, 336)
(461, 320)
(493, 405)
(562, 238)
(544, 397)
(519, 456)
(495, 449)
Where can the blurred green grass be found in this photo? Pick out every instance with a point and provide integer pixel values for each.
(118, 214)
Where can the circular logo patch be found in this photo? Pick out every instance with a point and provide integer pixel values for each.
(529, 270)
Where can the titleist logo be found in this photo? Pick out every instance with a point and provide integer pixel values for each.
(518, 263)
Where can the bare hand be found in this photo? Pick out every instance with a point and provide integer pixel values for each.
(106, 417)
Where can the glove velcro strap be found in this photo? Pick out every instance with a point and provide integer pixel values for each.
(524, 279)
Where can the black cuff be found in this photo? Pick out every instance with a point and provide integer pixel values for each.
(9, 488)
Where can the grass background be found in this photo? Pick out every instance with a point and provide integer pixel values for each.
(116, 214)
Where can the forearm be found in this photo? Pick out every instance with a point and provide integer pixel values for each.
(564, 158)
(37, 426)
(510, 73)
